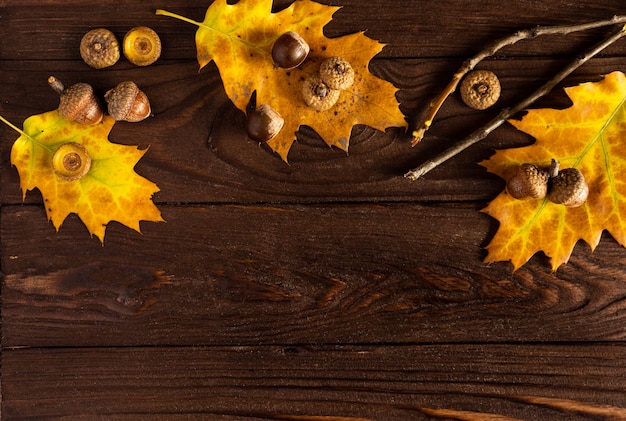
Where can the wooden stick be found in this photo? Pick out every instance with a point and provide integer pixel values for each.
(471, 63)
(507, 113)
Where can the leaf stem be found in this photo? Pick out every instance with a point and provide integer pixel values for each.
(507, 113)
(14, 127)
(490, 50)
(174, 15)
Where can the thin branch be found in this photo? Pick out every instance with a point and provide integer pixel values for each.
(471, 63)
(507, 113)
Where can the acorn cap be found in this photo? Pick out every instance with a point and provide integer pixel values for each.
(71, 161)
(337, 73)
(142, 46)
(317, 94)
(99, 48)
(126, 102)
(480, 89)
(568, 188)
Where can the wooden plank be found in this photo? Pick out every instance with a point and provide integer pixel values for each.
(319, 383)
(428, 29)
(226, 275)
(199, 151)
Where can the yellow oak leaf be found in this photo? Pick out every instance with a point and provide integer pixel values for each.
(109, 191)
(239, 38)
(589, 136)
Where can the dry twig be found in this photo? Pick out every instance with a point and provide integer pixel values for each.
(507, 113)
(471, 63)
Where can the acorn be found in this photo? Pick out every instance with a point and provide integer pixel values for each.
(99, 48)
(337, 73)
(142, 46)
(263, 123)
(568, 188)
(480, 89)
(78, 102)
(126, 102)
(317, 94)
(528, 182)
(289, 50)
(71, 161)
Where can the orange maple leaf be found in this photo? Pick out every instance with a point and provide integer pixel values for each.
(589, 136)
(110, 191)
(239, 38)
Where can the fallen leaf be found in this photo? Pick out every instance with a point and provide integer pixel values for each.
(589, 136)
(239, 38)
(110, 191)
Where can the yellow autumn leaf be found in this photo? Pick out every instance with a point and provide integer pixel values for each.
(110, 191)
(589, 136)
(239, 38)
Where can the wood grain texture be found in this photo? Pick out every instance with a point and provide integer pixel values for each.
(228, 275)
(320, 383)
(412, 28)
(326, 289)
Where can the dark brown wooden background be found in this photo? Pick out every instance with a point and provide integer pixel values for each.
(328, 289)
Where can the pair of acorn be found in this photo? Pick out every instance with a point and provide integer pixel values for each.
(99, 47)
(565, 187)
(319, 91)
(125, 102)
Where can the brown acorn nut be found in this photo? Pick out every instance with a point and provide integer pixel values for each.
(99, 48)
(289, 50)
(480, 89)
(263, 123)
(71, 161)
(568, 188)
(528, 182)
(78, 102)
(337, 73)
(142, 46)
(126, 102)
(317, 94)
